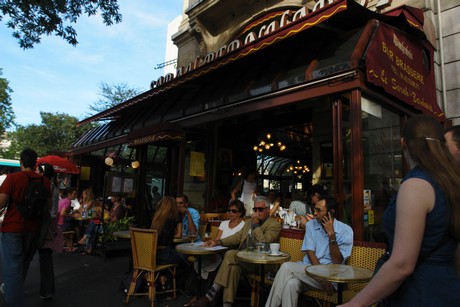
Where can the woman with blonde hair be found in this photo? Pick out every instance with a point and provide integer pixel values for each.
(422, 226)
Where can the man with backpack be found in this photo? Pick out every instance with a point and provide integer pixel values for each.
(27, 196)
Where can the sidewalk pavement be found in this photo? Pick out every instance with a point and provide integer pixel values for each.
(83, 280)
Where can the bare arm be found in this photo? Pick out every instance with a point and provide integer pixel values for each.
(328, 224)
(178, 233)
(3, 200)
(276, 205)
(415, 200)
(235, 190)
(219, 235)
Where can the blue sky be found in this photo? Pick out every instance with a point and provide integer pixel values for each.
(57, 77)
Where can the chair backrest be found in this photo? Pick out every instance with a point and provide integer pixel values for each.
(144, 248)
(202, 229)
(366, 254)
(292, 247)
(209, 216)
(214, 231)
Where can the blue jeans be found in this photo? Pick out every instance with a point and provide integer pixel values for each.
(16, 251)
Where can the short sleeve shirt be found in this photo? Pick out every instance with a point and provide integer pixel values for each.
(317, 240)
(196, 220)
(15, 185)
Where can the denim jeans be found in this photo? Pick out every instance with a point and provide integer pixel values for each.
(16, 251)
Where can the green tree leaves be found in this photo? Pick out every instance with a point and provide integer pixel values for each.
(6, 111)
(31, 19)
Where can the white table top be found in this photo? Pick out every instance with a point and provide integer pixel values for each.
(340, 273)
(198, 249)
(255, 257)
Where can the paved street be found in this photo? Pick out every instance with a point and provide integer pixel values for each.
(83, 280)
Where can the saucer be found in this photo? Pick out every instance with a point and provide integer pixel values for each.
(275, 255)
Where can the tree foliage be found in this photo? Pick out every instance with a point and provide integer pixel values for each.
(31, 19)
(6, 110)
(112, 95)
(56, 133)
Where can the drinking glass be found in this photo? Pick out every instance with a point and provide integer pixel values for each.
(192, 239)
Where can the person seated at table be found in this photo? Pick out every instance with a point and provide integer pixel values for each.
(166, 221)
(64, 214)
(264, 229)
(190, 217)
(86, 202)
(298, 205)
(326, 241)
(116, 212)
(210, 263)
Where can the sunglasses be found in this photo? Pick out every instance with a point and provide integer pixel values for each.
(260, 209)
(232, 211)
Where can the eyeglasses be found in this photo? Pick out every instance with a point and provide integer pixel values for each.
(232, 211)
(260, 209)
(319, 210)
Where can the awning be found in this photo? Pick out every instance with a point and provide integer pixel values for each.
(341, 15)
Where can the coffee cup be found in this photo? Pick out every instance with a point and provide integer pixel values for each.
(274, 248)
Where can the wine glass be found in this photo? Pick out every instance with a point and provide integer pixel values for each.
(207, 236)
(192, 239)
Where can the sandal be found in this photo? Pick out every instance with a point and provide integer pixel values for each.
(191, 302)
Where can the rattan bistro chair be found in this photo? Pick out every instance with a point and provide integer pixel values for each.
(144, 249)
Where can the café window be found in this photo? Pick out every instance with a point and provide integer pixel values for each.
(382, 164)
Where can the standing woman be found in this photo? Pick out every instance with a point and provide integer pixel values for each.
(248, 188)
(422, 226)
(53, 241)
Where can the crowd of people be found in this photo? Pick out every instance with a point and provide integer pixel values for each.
(422, 228)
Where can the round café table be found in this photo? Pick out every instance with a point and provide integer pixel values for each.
(339, 273)
(196, 249)
(261, 259)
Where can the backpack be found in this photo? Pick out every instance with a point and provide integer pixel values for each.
(35, 202)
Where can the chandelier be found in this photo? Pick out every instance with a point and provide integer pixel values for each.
(298, 168)
(267, 144)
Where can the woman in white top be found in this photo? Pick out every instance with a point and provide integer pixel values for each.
(210, 263)
(235, 223)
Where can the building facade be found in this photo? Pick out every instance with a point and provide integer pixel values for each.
(304, 92)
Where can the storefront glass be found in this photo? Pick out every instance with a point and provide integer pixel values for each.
(382, 164)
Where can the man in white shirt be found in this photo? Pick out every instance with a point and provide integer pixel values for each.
(326, 241)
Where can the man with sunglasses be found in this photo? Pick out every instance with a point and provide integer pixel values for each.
(326, 241)
(264, 229)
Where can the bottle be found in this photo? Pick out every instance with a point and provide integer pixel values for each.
(84, 213)
(250, 244)
(90, 213)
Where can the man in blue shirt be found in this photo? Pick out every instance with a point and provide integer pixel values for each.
(190, 217)
(326, 241)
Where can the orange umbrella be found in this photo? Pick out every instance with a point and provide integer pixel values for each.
(60, 164)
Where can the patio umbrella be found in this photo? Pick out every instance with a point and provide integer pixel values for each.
(60, 165)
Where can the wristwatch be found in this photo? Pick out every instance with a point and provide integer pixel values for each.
(333, 242)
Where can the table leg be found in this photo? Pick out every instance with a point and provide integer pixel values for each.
(339, 293)
(261, 297)
(199, 274)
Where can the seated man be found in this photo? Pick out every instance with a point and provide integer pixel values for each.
(263, 229)
(326, 241)
(190, 217)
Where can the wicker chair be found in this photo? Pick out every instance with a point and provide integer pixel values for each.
(365, 255)
(144, 250)
(209, 216)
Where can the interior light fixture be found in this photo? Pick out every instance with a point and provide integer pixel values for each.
(267, 144)
(298, 168)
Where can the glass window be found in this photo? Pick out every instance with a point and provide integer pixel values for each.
(382, 164)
